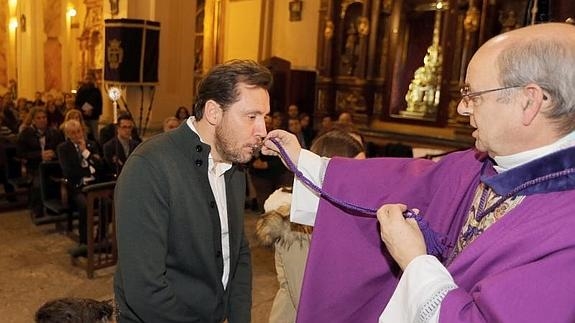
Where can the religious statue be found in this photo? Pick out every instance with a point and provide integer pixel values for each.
(349, 56)
(422, 96)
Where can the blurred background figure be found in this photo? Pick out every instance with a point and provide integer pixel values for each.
(81, 165)
(170, 123)
(293, 112)
(69, 101)
(54, 112)
(182, 113)
(117, 149)
(38, 99)
(36, 144)
(326, 125)
(295, 127)
(306, 128)
(345, 118)
(75, 114)
(89, 101)
(278, 120)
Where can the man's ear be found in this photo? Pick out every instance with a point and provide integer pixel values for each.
(212, 112)
(534, 103)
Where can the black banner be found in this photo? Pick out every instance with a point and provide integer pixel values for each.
(131, 51)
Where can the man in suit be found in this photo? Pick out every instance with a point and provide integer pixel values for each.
(117, 149)
(89, 101)
(37, 143)
(183, 254)
(81, 165)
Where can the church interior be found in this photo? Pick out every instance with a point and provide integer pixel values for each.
(394, 66)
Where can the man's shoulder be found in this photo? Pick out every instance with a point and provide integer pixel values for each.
(26, 131)
(65, 143)
(110, 143)
(160, 142)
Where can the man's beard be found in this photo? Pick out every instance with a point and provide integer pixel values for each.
(227, 147)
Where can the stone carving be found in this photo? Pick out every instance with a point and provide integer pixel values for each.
(349, 56)
(91, 39)
(350, 100)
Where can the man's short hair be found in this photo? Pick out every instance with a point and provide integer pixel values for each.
(124, 116)
(220, 84)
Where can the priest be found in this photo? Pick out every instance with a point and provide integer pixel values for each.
(501, 212)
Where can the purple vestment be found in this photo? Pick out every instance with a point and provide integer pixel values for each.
(521, 269)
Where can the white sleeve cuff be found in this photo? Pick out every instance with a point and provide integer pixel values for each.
(304, 200)
(421, 289)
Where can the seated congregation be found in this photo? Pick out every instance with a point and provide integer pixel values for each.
(67, 177)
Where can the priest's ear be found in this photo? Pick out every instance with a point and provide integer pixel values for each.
(213, 112)
(535, 101)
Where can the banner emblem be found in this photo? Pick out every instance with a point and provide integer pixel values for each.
(115, 54)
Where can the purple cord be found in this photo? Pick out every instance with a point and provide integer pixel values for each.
(433, 240)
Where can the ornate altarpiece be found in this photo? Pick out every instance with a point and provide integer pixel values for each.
(404, 60)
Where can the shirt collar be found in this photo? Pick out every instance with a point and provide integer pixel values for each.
(218, 168)
(511, 161)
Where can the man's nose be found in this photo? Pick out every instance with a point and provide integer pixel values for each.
(260, 128)
(463, 108)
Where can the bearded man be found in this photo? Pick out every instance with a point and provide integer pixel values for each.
(183, 254)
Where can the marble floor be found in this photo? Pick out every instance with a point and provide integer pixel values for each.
(35, 267)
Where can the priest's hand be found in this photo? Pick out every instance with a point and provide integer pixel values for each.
(401, 236)
(287, 140)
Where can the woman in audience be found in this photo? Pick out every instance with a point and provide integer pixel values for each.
(55, 115)
(182, 114)
(292, 240)
(69, 101)
(9, 113)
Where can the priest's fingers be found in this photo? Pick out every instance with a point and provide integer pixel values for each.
(286, 140)
(401, 236)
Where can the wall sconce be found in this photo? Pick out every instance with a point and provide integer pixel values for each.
(72, 12)
(295, 8)
(13, 24)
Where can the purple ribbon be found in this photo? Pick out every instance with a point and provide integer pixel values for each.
(433, 240)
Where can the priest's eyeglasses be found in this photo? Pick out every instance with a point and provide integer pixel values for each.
(474, 98)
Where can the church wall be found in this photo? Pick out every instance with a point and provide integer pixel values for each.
(30, 50)
(296, 41)
(176, 65)
(242, 25)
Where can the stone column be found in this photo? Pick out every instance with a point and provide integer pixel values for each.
(4, 43)
(53, 19)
